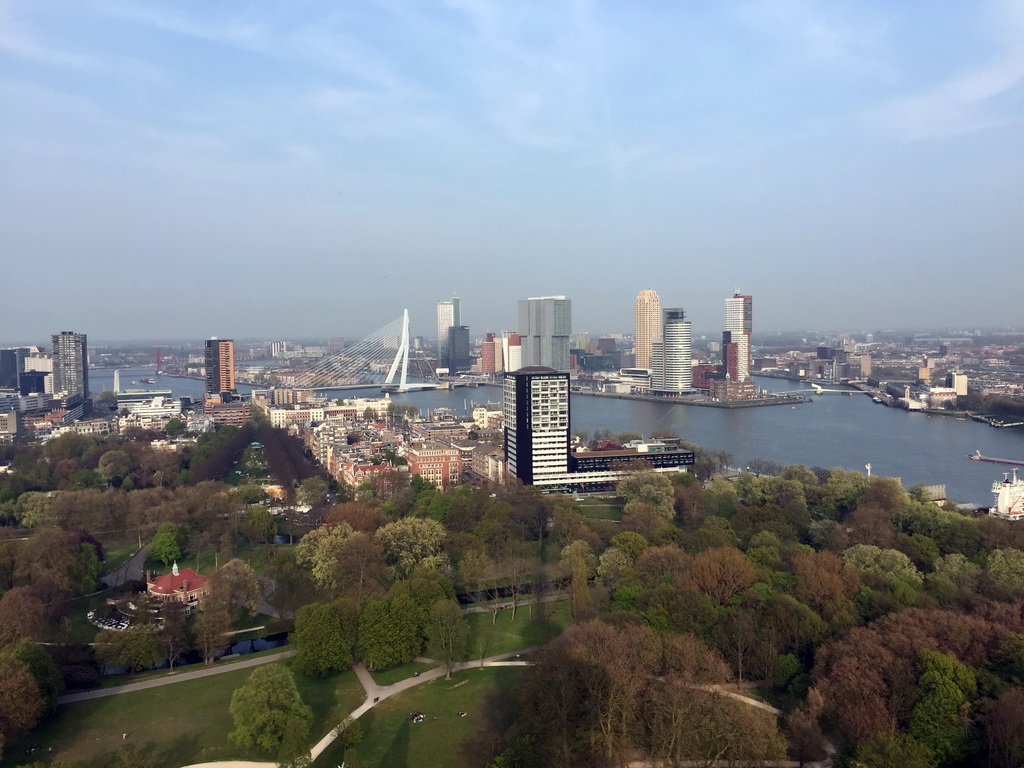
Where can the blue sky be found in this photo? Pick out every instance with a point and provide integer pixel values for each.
(188, 169)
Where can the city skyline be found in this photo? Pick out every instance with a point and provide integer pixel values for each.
(855, 166)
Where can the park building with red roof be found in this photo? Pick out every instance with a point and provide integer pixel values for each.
(182, 585)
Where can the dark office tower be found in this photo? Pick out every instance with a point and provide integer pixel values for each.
(457, 347)
(536, 405)
(12, 367)
(220, 366)
(70, 363)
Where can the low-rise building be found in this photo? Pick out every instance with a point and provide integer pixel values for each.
(440, 464)
(183, 586)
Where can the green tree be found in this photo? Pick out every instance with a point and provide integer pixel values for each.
(135, 647)
(940, 720)
(412, 542)
(311, 491)
(20, 701)
(324, 637)
(389, 632)
(447, 632)
(166, 544)
(266, 707)
(40, 665)
(885, 750)
(174, 427)
(889, 564)
(32, 508)
(114, 465)
(647, 488)
(1006, 569)
(319, 549)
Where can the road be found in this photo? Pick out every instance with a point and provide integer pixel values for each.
(129, 570)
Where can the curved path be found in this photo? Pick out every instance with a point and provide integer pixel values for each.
(175, 677)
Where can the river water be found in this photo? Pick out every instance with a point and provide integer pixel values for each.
(831, 431)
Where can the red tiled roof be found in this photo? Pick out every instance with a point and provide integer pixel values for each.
(169, 583)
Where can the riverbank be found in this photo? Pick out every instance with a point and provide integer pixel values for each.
(701, 402)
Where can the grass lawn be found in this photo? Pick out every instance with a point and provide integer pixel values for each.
(402, 671)
(506, 635)
(391, 740)
(600, 509)
(177, 724)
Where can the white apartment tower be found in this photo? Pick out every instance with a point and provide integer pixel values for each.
(536, 411)
(449, 314)
(671, 354)
(545, 326)
(648, 326)
(739, 321)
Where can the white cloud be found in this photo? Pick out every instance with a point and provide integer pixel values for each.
(967, 102)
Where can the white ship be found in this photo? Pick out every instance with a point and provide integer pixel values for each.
(1009, 495)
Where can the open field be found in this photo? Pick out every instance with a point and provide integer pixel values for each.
(175, 724)
(392, 740)
(600, 509)
(506, 635)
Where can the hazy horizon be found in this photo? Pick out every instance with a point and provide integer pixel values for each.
(267, 170)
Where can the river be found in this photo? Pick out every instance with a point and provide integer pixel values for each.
(831, 431)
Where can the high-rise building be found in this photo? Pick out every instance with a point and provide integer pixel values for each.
(70, 363)
(536, 405)
(545, 325)
(648, 326)
(512, 351)
(671, 354)
(490, 359)
(739, 321)
(449, 313)
(220, 366)
(12, 367)
(457, 349)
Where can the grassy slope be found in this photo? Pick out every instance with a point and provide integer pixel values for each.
(178, 724)
(391, 740)
(506, 635)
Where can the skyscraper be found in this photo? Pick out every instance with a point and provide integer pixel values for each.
(220, 366)
(739, 321)
(512, 351)
(671, 354)
(12, 367)
(449, 313)
(536, 405)
(648, 326)
(458, 358)
(70, 363)
(545, 324)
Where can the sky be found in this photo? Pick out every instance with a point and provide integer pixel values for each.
(311, 168)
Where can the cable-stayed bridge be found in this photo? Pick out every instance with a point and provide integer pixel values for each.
(379, 359)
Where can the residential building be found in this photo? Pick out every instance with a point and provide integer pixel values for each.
(70, 363)
(512, 351)
(671, 355)
(489, 357)
(220, 366)
(439, 463)
(648, 326)
(739, 321)
(183, 586)
(449, 313)
(545, 326)
(536, 403)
